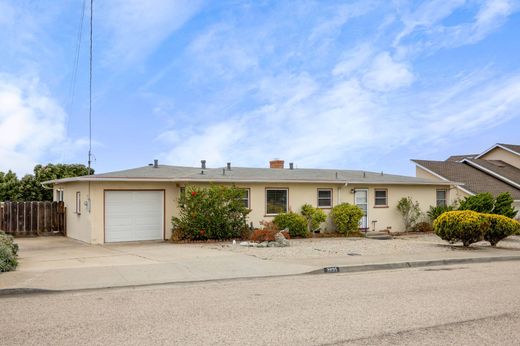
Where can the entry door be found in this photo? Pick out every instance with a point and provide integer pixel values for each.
(134, 215)
(361, 200)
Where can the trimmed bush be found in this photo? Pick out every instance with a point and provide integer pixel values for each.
(500, 227)
(346, 217)
(8, 253)
(466, 226)
(215, 212)
(295, 223)
(314, 216)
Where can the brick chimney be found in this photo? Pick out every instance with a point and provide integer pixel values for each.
(278, 164)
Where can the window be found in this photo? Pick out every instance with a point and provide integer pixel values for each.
(324, 198)
(381, 198)
(59, 195)
(441, 198)
(276, 201)
(78, 202)
(245, 198)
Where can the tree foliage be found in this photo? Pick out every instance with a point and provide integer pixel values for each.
(29, 187)
(314, 216)
(485, 203)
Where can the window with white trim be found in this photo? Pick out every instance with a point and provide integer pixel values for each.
(441, 198)
(324, 198)
(245, 198)
(381, 197)
(276, 201)
(59, 195)
(78, 202)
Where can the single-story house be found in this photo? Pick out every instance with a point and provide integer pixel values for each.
(138, 204)
(495, 170)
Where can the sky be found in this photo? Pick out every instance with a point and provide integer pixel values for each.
(325, 84)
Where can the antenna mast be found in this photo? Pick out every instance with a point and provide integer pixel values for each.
(90, 94)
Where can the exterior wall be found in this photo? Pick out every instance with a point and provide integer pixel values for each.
(421, 173)
(78, 225)
(454, 194)
(389, 217)
(504, 155)
(89, 227)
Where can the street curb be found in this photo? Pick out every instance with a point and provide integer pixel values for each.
(411, 264)
(10, 292)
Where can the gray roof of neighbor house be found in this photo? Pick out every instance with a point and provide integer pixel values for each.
(243, 174)
(513, 147)
(475, 180)
(498, 167)
(458, 158)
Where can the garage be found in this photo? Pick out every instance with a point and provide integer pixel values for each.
(134, 215)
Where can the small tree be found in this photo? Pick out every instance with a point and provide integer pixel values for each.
(410, 211)
(314, 216)
(482, 203)
(346, 217)
(504, 205)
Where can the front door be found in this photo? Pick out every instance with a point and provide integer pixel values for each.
(361, 200)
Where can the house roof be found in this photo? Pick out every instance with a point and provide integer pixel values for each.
(458, 158)
(474, 179)
(247, 174)
(500, 169)
(513, 148)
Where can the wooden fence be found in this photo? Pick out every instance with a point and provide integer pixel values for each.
(32, 218)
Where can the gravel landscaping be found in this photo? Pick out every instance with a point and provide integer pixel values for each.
(420, 245)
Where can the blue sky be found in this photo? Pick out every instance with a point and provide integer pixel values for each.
(344, 84)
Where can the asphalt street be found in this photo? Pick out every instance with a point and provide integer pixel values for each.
(462, 305)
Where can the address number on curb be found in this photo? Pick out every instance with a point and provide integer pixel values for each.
(331, 269)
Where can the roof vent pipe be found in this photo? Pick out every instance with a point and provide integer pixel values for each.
(223, 171)
(155, 163)
(203, 164)
(291, 165)
(229, 166)
(364, 175)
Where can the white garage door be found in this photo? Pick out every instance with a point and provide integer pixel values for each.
(134, 215)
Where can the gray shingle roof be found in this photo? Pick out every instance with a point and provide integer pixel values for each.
(458, 158)
(474, 179)
(513, 147)
(500, 168)
(247, 174)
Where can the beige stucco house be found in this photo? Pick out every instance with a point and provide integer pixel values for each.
(495, 170)
(138, 204)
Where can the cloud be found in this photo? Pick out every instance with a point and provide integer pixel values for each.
(134, 29)
(31, 123)
(386, 74)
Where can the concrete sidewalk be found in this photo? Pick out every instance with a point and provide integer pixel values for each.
(58, 263)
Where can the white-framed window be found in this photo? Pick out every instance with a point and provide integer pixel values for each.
(441, 198)
(381, 198)
(245, 197)
(276, 201)
(59, 195)
(324, 198)
(78, 202)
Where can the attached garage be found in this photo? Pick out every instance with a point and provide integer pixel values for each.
(134, 215)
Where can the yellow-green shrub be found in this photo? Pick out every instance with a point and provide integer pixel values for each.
(500, 227)
(466, 226)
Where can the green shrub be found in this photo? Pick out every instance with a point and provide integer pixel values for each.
(482, 203)
(500, 227)
(504, 205)
(295, 223)
(215, 212)
(410, 212)
(314, 216)
(466, 226)
(435, 212)
(8, 252)
(346, 217)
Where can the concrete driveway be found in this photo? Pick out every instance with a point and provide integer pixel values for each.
(60, 263)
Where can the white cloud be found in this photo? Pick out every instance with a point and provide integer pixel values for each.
(385, 74)
(135, 28)
(31, 123)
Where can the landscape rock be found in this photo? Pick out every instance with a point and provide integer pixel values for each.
(281, 240)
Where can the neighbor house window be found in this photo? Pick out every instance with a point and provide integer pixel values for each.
(276, 201)
(245, 198)
(441, 198)
(324, 198)
(381, 198)
(78, 202)
(59, 195)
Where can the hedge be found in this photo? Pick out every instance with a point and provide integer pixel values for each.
(346, 217)
(500, 227)
(466, 226)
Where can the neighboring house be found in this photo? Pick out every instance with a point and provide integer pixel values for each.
(495, 170)
(138, 204)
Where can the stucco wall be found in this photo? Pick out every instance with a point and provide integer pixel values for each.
(78, 225)
(454, 194)
(504, 155)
